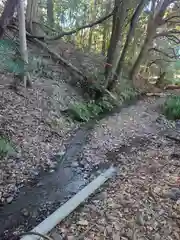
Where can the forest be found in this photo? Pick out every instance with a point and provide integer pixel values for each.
(85, 86)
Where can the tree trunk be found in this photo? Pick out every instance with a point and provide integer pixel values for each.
(114, 37)
(7, 14)
(23, 44)
(104, 40)
(105, 29)
(31, 15)
(93, 16)
(118, 64)
(129, 36)
(141, 56)
(50, 12)
(90, 39)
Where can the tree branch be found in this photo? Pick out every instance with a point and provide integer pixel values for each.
(76, 30)
(169, 19)
(164, 34)
(173, 39)
(159, 60)
(164, 53)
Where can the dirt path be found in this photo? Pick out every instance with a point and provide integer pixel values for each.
(142, 202)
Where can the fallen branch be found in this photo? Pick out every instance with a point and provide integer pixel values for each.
(60, 59)
(64, 62)
(172, 87)
(55, 55)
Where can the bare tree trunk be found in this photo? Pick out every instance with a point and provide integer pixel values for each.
(105, 29)
(140, 57)
(114, 36)
(7, 14)
(104, 40)
(50, 12)
(23, 43)
(118, 60)
(31, 15)
(93, 15)
(90, 39)
(129, 36)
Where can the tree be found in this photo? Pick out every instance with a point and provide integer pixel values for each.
(31, 15)
(130, 34)
(7, 14)
(156, 20)
(50, 12)
(107, 6)
(157, 17)
(23, 44)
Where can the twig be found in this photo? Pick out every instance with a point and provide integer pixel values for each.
(173, 138)
(151, 194)
(82, 236)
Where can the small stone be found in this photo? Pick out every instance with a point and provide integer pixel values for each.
(25, 212)
(109, 229)
(139, 219)
(157, 236)
(60, 154)
(75, 164)
(83, 222)
(70, 237)
(9, 199)
(157, 190)
(173, 194)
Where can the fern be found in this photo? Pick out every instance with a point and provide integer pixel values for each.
(171, 107)
(6, 148)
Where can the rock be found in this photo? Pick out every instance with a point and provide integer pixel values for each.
(139, 219)
(74, 164)
(173, 194)
(157, 236)
(60, 154)
(9, 199)
(70, 237)
(83, 222)
(25, 212)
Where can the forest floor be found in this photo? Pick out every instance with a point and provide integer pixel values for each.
(143, 200)
(32, 119)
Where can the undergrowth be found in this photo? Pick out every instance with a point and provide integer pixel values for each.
(171, 107)
(91, 110)
(6, 147)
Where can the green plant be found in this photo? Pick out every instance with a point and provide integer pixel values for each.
(85, 111)
(6, 148)
(79, 112)
(171, 107)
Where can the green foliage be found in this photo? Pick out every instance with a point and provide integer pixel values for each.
(85, 111)
(6, 148)
(173, 72)
(10, 61)
(171, 107)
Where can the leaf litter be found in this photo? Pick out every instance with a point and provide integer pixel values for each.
(143, 200)
(32, 121)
